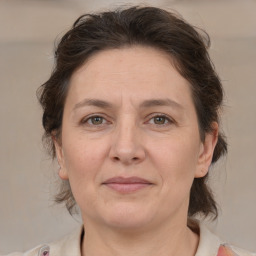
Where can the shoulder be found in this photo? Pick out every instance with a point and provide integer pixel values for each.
(230, 250)
(68, 245)
(212, 245)
(40, 250)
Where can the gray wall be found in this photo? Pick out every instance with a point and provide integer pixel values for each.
(27, 176)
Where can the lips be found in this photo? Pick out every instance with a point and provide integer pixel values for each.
(127, 185)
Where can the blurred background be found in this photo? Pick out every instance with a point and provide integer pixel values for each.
(28, 177)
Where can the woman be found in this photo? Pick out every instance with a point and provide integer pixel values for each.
(131, 111)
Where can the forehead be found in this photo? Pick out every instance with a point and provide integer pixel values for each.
(127, 61)
(134, 72)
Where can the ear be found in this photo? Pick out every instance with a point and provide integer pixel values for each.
(60, 158)
(206, 151)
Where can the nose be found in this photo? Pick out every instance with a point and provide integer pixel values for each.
(126, 146)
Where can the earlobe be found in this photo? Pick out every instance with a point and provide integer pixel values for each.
(63, 174)
(201, 173)
(207, 150)
(60, 158)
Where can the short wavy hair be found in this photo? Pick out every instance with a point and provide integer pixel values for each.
(146, 26)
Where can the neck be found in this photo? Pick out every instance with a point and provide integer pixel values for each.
(165, 240)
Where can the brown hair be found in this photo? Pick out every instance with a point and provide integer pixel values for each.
(147, 26)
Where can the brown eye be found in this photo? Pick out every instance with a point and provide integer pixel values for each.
(96, 120)
(160, 120)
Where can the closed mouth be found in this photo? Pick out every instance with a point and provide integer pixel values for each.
(129, 180)
(127, 185)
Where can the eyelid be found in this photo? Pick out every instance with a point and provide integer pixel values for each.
(85, 119)
(153, 115)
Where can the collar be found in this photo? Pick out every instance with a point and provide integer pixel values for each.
(208, 243)
(71, 245)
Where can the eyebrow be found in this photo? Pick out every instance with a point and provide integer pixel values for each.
(160, 102)
(93, 102)
(145, 104)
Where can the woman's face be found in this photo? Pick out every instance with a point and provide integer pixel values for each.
(130, 144)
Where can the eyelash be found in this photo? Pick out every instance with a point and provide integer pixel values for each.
(90, 118)
(167, 120)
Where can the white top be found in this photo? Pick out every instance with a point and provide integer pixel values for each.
(209, 245)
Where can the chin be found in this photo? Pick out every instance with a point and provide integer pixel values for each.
(127, 217)
(128, 223)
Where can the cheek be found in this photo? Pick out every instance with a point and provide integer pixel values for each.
(175, 159)
(83, 158)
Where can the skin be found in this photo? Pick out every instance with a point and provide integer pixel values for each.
(128, 113)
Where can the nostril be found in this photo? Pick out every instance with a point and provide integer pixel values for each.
(134, 159)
